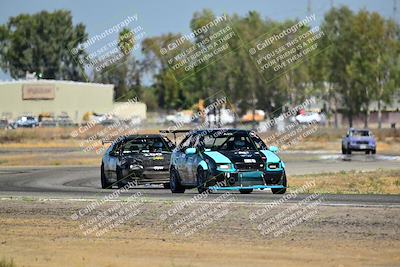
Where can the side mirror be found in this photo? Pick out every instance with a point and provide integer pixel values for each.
(190, 151)
(273, 149)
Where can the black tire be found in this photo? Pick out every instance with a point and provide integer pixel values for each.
(104, 182)
(374, 151)
(121, 182)
(343, 150)
(167, 185)
(281, 190)
(348, 150)
(245, 191)
(175, 183)
(367, 152)
(201, 178)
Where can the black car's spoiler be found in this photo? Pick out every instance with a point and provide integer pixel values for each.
(174, 132)
(106, 141)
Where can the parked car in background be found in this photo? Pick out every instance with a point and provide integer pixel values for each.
(64, 121)
(4, 124)
(304, 117)
(26, 122)
(358, 140)
(223, 117)
(182, 117)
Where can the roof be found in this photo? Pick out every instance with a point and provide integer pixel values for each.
(135, 136)
(205, 130)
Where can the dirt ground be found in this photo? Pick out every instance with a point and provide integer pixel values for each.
(43, 233)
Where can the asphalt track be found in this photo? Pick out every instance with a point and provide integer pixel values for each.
(79, 183)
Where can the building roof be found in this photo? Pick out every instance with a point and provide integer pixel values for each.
(24, 81)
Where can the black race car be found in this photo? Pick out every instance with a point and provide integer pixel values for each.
(142, 159)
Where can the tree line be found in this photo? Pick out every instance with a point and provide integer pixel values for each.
(356, 64)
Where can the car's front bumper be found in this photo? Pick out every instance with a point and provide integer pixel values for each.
(146, 176)
(362, 147)
(245, 187)
(251, 178)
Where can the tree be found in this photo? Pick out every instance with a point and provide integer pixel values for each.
(171, 93)
(386, 70)
(339, 52)
(42, 43)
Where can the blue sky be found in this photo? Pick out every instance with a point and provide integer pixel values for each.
(157, 17)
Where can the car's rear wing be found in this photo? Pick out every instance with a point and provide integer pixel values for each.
(174, 132)
(106, 141)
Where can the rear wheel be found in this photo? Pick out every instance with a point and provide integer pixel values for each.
(104, 182)
(245, 191)
(174, 182)
(374, 151)
(367, 152)
(281, 190)
(343, 150)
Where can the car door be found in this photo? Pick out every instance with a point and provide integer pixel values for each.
(181, 159)
(112, 160)
(191, 166)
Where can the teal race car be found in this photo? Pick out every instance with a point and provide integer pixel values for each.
(226, 159)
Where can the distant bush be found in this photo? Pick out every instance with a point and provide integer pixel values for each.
(7, 263)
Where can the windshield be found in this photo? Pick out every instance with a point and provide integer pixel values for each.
(360, 133)
(144, 145)
(226, 141)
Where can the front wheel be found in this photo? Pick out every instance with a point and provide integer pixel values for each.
(281, 190)
(348, 150)
(121, 181)
(374, 151)
(174, 182)
(201, 180)
(104, 181)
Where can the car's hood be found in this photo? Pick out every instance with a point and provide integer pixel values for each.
(149, 159)
(222, 157)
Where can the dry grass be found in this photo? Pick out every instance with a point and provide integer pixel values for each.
(47, 159)
(7, 263)
(374, 182)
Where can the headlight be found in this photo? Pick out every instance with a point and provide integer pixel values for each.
(135, 167)
(224, 167)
